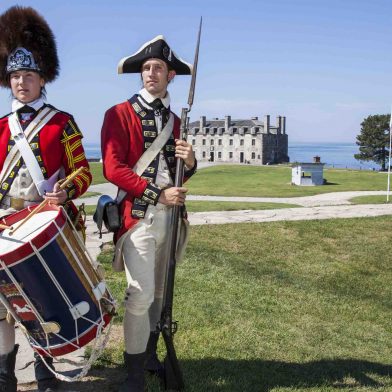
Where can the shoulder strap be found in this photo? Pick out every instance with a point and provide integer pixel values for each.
(22, 146)
(14, 155)
(150, 153)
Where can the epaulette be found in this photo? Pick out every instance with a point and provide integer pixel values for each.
(60, 111)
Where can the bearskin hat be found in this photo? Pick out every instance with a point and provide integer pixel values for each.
(22, 28)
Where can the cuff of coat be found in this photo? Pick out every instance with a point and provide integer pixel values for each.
(70, 189)
(151, 194)
(190, 172)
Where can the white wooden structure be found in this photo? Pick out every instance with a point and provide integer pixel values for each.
(307, 174)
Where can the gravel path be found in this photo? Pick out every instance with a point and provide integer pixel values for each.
(325, 199)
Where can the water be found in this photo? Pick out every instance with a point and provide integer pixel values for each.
(338, 155)
(93, 150)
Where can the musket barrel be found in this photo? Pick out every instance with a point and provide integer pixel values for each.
(173, 374)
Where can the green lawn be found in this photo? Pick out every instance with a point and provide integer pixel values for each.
(268, 181)
(96, 171)
(283, 306)
(90, 209)
(377, 199)
(275, 181)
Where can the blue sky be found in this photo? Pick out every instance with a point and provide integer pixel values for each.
(324, 64)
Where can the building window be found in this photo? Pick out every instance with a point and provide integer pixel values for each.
(204, 142)
(220, 142)
(204, 154)
(230, 155)
(231, 142)
(212, 142)
(253, 155)
(253, 142)
(241, 142)
(219, 155)
(193, 142)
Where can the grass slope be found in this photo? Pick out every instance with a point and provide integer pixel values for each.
(268, 181)
(283, 306)
(377, 199)
(275, 181)
(97, 173)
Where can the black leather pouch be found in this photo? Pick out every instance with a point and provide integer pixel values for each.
(107, 213)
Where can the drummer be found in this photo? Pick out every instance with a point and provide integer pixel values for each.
(30, 172)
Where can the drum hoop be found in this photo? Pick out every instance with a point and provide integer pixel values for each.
(42, 239)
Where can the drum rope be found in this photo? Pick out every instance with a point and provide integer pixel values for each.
(96, 352)
(79, 240)
(51, 275)
(74, 255)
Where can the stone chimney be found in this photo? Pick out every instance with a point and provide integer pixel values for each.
(202, 122)
(284, 125)
(266, 123)
(279, 124)
(227, 123)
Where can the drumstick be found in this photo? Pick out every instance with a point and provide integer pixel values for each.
(45, 202)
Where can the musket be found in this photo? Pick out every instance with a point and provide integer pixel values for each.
(173, 375)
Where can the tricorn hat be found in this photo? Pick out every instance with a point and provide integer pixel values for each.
(157, 48)
(26, 43)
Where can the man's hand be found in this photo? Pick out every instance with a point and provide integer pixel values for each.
(58, 196)
(185, 152)
(173, 196)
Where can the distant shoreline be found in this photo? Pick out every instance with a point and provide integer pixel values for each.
(334, 155)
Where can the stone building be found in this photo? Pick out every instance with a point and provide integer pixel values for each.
(239, 141)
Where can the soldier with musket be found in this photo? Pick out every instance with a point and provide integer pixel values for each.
(128, 131)
(28, 60)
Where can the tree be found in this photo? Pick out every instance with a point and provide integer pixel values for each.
(373, 141)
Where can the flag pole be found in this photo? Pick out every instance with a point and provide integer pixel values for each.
(389, 160)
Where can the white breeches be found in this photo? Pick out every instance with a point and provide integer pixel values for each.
(7, 332)
(145, 258)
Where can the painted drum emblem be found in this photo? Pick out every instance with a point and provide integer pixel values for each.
(24, 311)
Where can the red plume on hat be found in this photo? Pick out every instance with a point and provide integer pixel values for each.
(26, 42)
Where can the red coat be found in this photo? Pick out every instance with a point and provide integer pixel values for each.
(122, 145)
(60, 145)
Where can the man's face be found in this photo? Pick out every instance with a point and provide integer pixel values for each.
(26, 85)
(156, 77)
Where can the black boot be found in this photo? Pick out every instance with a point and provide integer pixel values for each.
(152, 364)
(46, 380)
(135, 368)
(8, 380)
